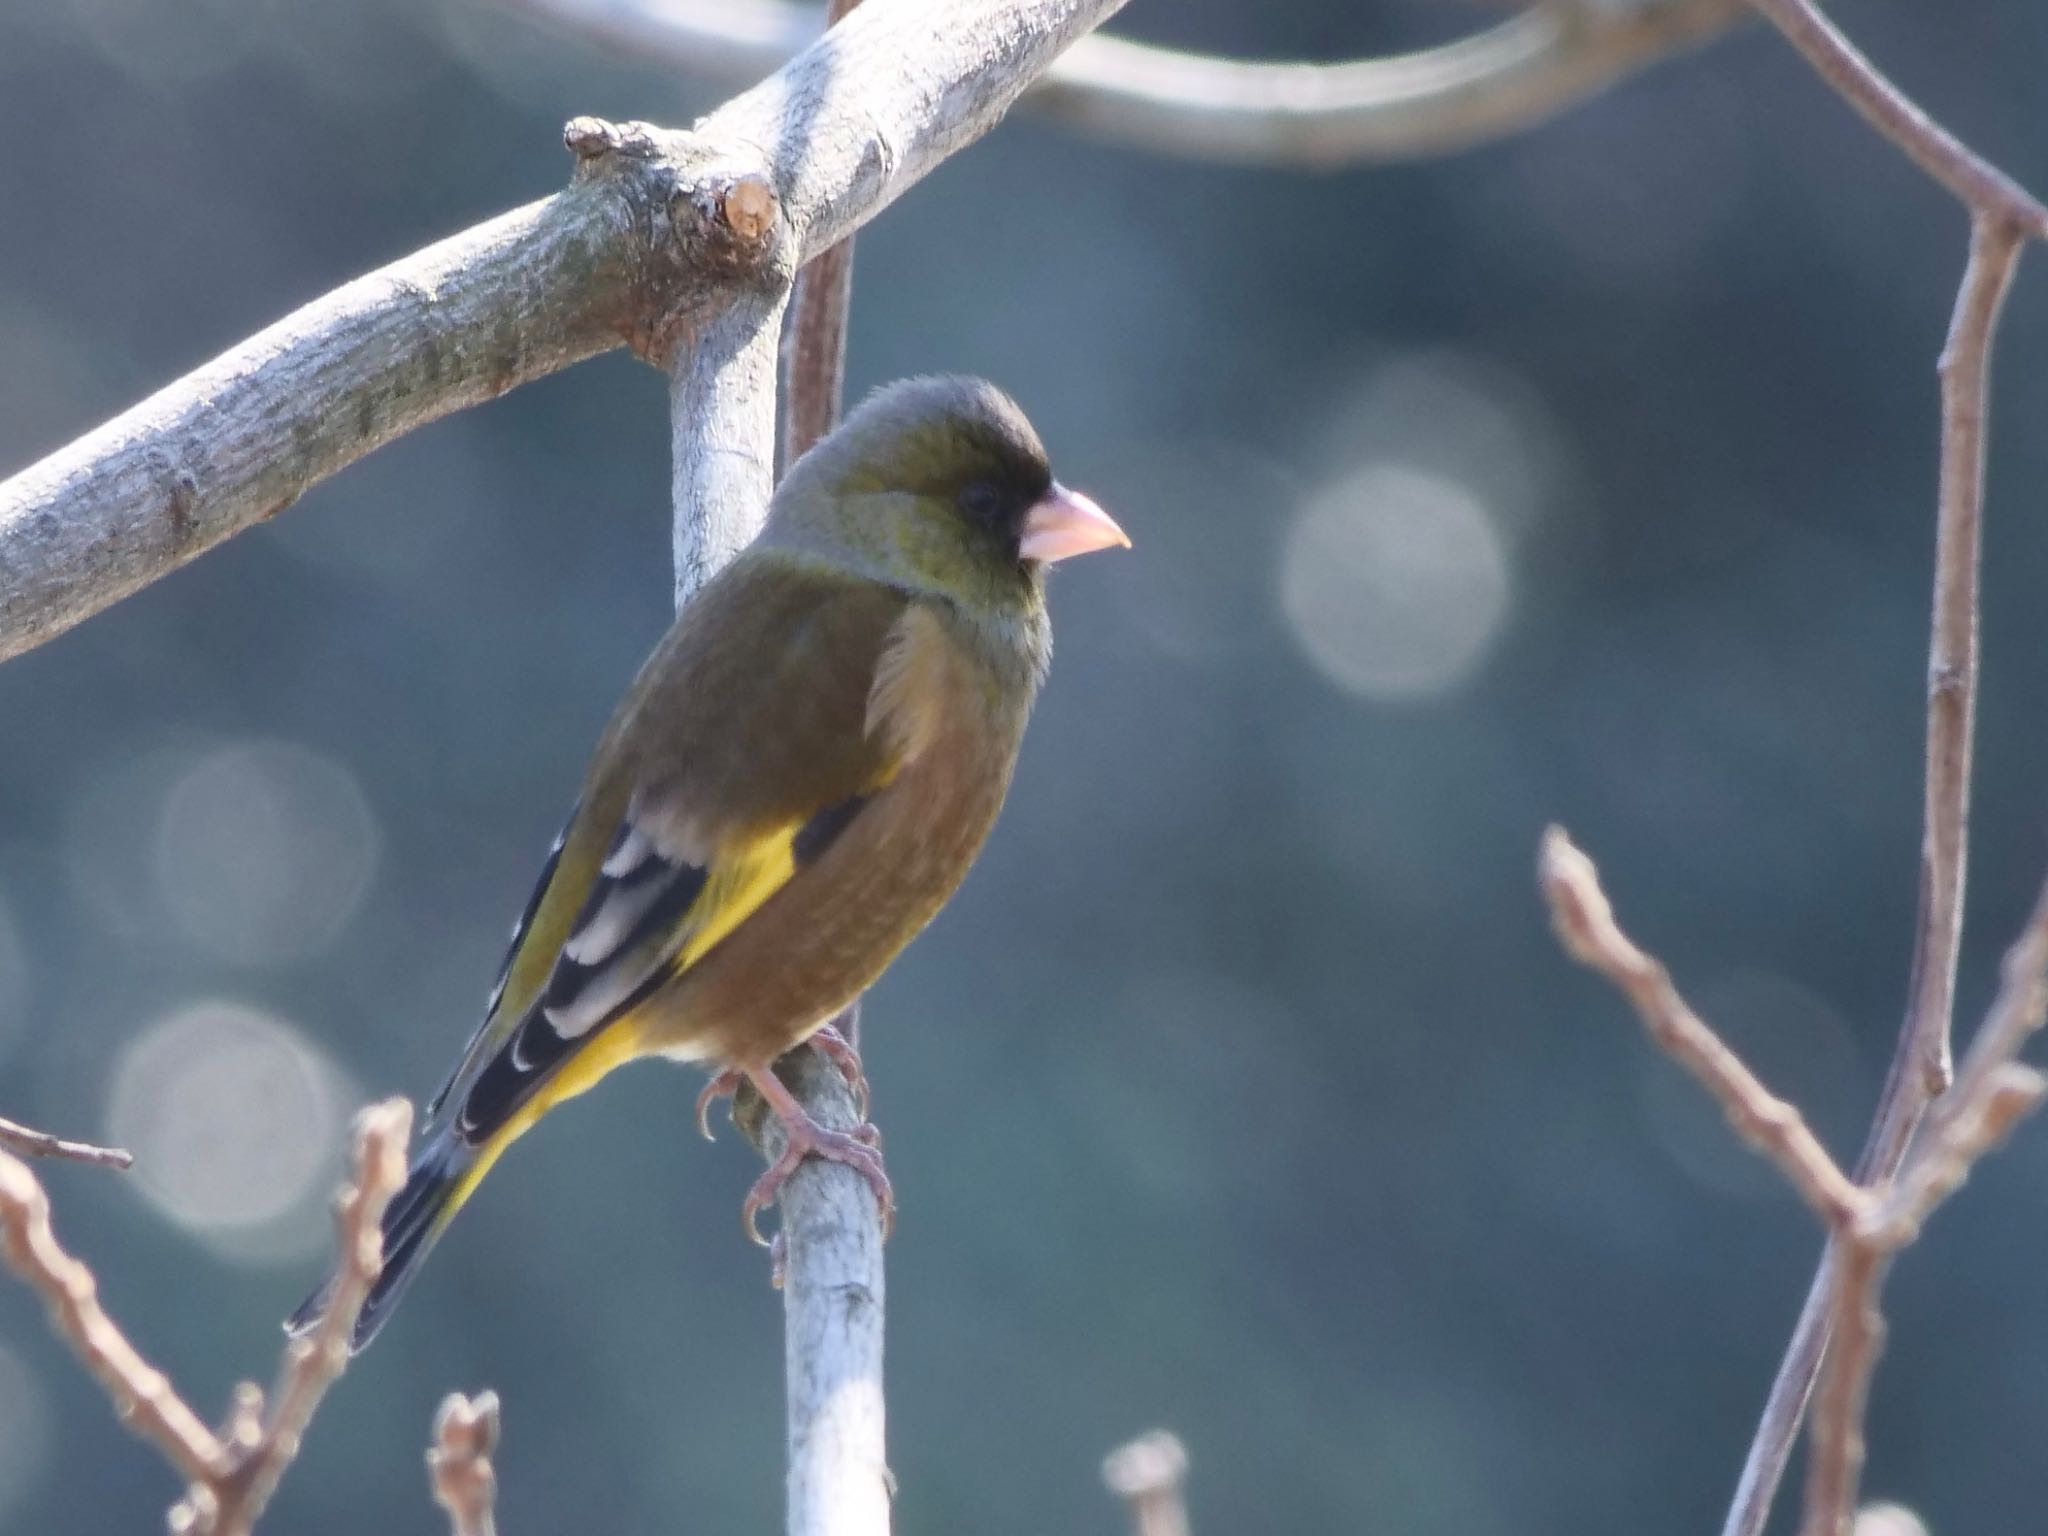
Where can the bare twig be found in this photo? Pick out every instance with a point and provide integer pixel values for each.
(1976, 183)
(650, 247)
(25, 1142)
(2003, 215)
(1871, 1225)
(459, 1464)
(231, 1475)
(1511, 77)
(1149, 1475)
(814, 351)
(814, 346)
(261, 1448)
(143, 1398)
(1586, 927)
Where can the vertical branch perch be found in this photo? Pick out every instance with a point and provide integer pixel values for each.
(722, 417)
(832, 1231)
(833, 1309)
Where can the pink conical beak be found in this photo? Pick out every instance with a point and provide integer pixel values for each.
(1063, 523)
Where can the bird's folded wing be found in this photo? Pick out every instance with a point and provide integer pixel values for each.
(742, 752)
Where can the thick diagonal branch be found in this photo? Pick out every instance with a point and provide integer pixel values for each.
(642, 249)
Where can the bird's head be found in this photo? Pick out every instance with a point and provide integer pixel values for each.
(939, 485)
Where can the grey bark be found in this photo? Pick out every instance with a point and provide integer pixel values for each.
(640, 250)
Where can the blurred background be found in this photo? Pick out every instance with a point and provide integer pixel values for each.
(1587, 477)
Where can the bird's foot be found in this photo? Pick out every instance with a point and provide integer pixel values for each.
(844, 1055)
(860, 1150)
(831, 1044)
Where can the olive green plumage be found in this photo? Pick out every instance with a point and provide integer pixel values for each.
(797, 780)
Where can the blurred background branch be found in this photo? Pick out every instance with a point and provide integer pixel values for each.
(27, 1142)
(1508, 78)
(1149, 1474)
(814, 348)
(1869, 1225)
(231, 1475)
(2003, 215)
(459, 1462)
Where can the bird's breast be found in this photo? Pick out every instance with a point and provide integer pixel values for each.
(831, 931)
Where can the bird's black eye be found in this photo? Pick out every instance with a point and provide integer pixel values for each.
(981, 503)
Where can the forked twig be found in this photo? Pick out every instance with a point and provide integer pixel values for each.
(230, 1475)
(143, 1397)
(2003, 216)
(262, 1447)
(1870, 1225)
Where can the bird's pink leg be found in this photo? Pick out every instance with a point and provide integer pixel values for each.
(831, 1044)
(857, 1149)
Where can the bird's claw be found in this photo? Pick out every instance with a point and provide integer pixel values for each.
(723, 1085)
(859, 1150)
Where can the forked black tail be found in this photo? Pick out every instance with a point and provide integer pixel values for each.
(414, 1219)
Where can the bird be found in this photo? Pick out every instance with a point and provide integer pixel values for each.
(797, 780)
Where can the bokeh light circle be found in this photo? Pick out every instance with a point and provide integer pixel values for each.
(234, 1118)
(1395, 581)
(264, 850)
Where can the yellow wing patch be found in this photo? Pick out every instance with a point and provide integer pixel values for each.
(737, 886)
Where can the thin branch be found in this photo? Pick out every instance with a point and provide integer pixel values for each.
(1991, 1093)
(143, 1397)
(814, 345)
(25, 1142)
(642, 249)
(231, 1475)
(833, 1302)
(1432, 102)
(814, 351)
(2003, 215)
(1974, 181)
(1871, 1225)
(1149, 1475)
(1585, 926)
(459, 1464)
(262, 1448)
